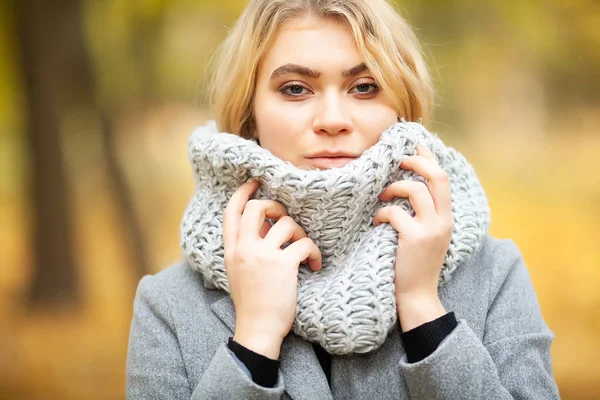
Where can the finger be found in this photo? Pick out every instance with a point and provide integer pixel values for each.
(395, 216)
(265, 229)
(284, 230)
(304, 249)
(419, 197)
(424, 151)
(254, 216)
(233, 212)
(439, 183)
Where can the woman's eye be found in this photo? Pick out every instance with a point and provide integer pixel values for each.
(293, 90)
(365, 88)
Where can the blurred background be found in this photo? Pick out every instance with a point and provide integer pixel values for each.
(97, 99)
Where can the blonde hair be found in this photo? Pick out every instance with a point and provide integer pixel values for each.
(384, 39)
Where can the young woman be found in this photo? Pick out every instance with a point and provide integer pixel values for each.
(356, 263)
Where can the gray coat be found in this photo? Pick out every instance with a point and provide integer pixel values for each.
(499, 350)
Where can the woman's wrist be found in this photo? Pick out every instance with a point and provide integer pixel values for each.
(259, 342)
(416, 310)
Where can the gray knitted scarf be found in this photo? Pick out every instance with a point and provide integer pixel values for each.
(349, 306)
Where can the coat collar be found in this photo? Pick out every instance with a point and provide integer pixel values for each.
(298, 359)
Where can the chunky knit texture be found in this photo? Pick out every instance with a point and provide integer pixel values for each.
(348, 306)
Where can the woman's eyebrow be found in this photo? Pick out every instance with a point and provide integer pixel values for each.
(305, 71)
(295, 69)
(355, 70)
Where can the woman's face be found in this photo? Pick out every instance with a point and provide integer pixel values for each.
(314, 97)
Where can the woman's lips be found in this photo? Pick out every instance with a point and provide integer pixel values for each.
(330, 162)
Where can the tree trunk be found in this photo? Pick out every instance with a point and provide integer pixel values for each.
(38, 26)
(59, 77)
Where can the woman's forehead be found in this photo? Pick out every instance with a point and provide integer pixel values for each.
(322, 45)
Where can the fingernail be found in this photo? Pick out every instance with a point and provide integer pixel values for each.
(422, 143)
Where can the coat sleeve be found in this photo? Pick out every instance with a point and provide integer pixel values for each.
(513, 359)
(155, 367)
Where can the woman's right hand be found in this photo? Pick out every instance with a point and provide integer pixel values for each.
(263, 278)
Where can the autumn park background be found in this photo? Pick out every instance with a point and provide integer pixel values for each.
(97, 99)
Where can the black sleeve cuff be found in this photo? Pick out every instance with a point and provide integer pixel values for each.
(421, 341)
(263, 369)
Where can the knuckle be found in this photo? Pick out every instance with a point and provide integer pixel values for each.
(243, 254)
(286, 220)
(227, 260)
(304, 241)
(382, 211)
(309, 243)
(239, 255)
(441, 175)
(388, 211)
(444, 231)
(253, 204)
(286, 223)
(395, 209)
(449, 228)
(419, 186)
(438, 234)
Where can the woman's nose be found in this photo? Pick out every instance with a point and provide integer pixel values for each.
(330, 116)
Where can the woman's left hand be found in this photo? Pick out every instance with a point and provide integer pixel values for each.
(423, 240)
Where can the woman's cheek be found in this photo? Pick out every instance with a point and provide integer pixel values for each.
(280, 124)
(374, 119)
